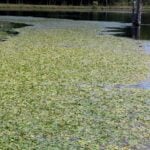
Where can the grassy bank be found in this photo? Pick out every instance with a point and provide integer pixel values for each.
(27, 7)
(54, 95)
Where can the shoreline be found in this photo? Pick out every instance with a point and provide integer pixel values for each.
(51, 8)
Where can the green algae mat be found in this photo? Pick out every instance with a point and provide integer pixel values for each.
(54, 92)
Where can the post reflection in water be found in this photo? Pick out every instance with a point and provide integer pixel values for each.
(136, 32)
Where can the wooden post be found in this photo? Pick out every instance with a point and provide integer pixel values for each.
(136, 32)
(137, 8)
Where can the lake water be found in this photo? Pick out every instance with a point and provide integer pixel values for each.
(142, 32)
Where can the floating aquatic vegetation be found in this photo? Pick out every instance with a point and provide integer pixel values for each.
(52, 95)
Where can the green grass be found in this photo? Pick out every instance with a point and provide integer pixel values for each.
(52, 95)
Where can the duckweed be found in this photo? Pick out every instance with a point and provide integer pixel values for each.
(52, 95)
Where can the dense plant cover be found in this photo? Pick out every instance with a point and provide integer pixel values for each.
(55, 90)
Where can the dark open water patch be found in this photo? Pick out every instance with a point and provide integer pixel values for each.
(7, 29)
(138, 33)
(10, 25)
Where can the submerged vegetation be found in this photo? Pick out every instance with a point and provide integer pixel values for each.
(54, 95)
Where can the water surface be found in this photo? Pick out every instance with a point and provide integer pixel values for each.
(142, 33)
